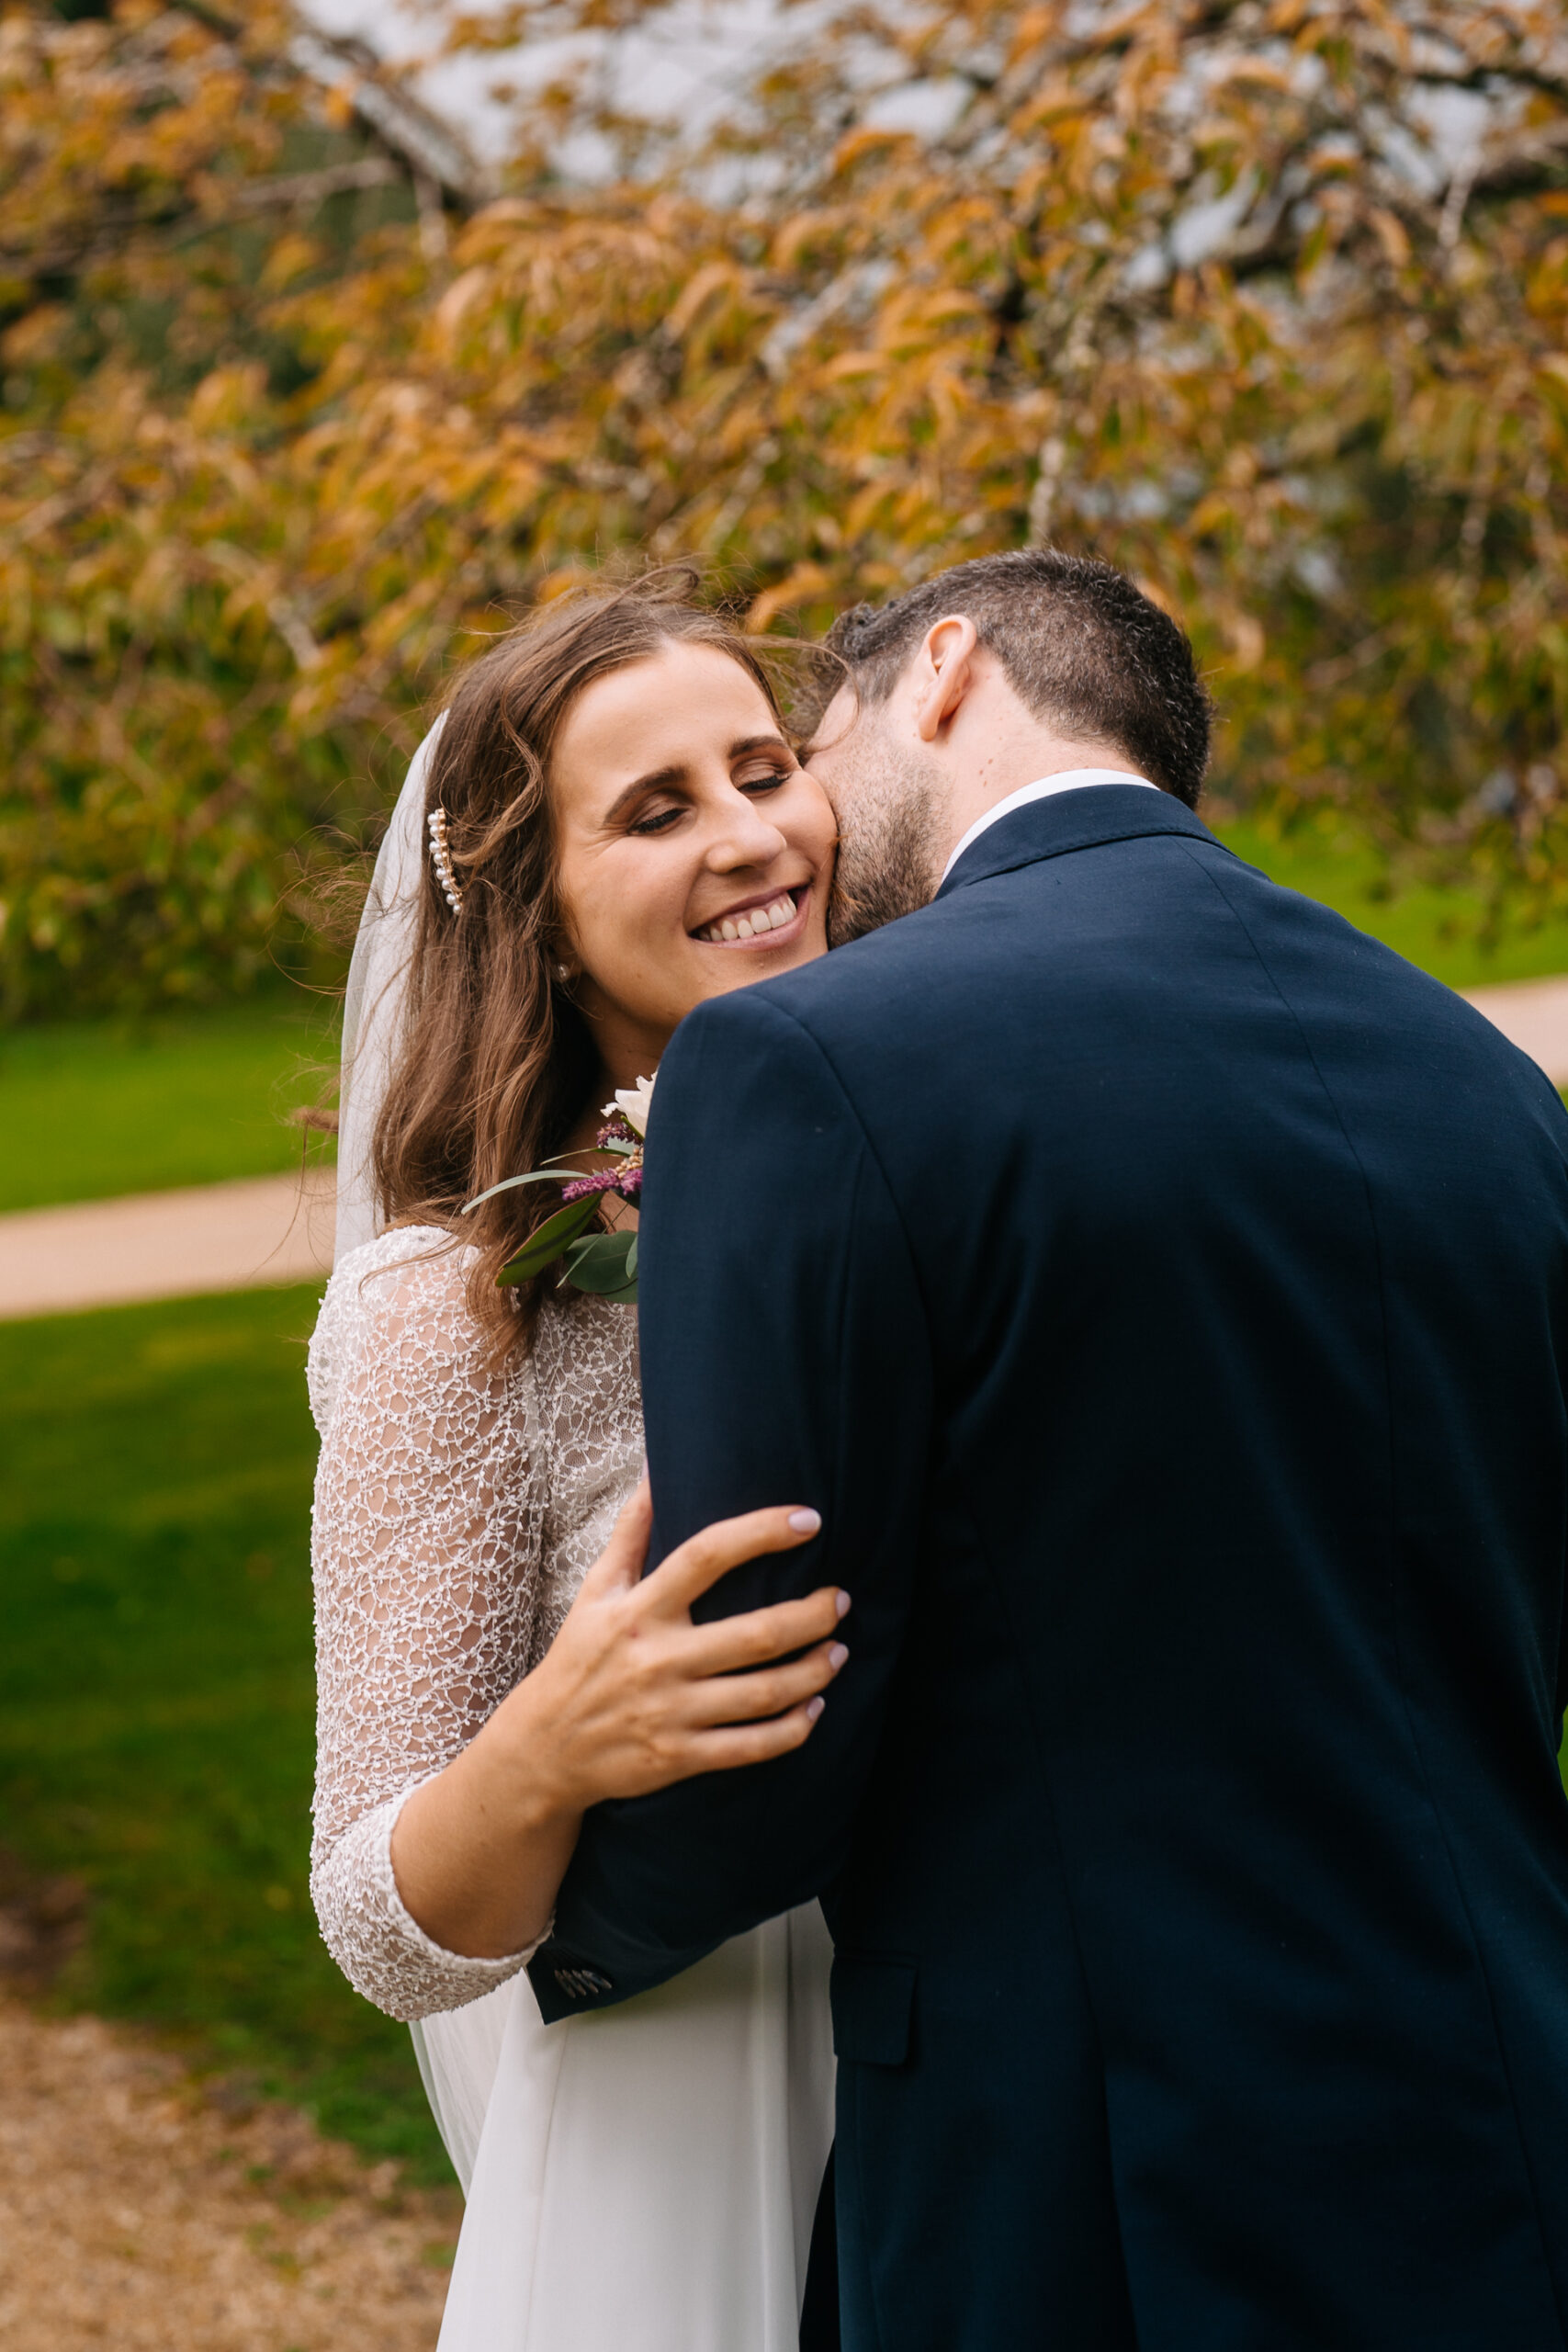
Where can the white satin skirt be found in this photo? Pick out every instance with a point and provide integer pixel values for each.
(643, 2178)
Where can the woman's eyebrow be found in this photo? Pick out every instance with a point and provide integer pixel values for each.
(657, 779)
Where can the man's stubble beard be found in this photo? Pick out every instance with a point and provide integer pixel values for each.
(888, 864)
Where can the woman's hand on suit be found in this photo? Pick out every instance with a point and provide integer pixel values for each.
(630, 1696)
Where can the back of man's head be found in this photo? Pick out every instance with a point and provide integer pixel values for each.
(1082, 649)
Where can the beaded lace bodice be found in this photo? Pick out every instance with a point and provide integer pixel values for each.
(457, 1511)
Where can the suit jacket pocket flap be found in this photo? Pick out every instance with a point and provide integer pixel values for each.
(873, 2003)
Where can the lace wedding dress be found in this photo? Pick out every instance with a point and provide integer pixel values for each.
(638, 2180)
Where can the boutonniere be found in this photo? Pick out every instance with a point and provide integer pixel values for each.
(604, 1265)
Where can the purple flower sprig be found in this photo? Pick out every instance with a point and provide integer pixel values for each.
(626, 1179)
(626, 1182)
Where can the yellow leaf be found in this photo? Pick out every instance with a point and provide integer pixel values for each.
(805, 581)
(868, 142)
(850, 364)
(708, 280)
(458, 298)
(1391, 235)
(1246, 639)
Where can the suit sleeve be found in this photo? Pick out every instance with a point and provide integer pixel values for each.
(784, 1360)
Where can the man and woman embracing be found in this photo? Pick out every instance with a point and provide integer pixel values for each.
(1101, 1351)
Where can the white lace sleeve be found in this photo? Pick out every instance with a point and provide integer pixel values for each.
(425, 1549)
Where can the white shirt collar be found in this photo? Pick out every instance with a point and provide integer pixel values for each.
(1068, 781)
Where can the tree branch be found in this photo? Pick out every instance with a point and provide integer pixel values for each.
(314, 188)
(425, 146)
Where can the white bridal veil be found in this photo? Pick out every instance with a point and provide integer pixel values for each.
(373, 1006)
(457, 2052)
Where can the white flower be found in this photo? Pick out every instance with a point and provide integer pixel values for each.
(634, 1103)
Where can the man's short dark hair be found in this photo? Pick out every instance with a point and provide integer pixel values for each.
(1080, 645)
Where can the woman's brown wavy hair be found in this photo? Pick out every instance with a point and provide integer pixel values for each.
(497, 1065)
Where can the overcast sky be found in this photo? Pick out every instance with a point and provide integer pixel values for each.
(684, 66)
(681, 69)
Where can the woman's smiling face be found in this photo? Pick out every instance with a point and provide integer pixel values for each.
(695, 851)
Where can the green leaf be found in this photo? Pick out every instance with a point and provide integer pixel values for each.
(535, 1176)
(600, 1265)
(542, 1249)
(625, 1149)
(631, 1260)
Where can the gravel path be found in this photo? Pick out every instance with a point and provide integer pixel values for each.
(244, 1236)
(1534, 1014)
(135, 2213)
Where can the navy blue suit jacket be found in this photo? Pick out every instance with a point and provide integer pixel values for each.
(1162, 1290)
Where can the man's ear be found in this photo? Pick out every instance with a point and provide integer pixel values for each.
(944, 672)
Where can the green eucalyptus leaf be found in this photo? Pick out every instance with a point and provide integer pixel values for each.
(543, 1248)
(625, 1296)
(599, 1264)
(535, 1176)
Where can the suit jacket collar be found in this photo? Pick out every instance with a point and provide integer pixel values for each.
(1072, 821)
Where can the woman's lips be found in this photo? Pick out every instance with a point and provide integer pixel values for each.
(775, 921)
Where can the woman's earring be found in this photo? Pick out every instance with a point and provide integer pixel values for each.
(563, 973)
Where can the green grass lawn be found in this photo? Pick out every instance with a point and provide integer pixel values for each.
(1439, 930)
(157, 1693)
(91, 1109)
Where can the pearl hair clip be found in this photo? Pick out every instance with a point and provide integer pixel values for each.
(441, 858)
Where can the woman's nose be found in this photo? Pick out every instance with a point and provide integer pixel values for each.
(744, 837)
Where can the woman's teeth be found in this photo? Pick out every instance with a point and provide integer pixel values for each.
(775, 916)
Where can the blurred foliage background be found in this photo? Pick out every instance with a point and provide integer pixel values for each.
(1263, 301)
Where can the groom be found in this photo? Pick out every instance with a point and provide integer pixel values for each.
(1162, 1292)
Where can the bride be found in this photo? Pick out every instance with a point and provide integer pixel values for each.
(607, 826)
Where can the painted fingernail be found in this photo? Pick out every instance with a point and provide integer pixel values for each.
(836, 1656)
(842, 1604)
(805, 1523)
(814, 1708)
